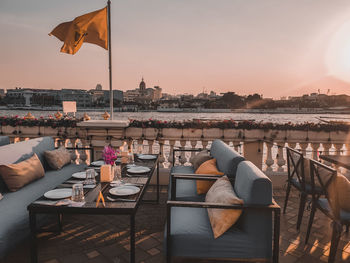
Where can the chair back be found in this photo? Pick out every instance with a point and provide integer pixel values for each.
(295, 163)
(322, 176)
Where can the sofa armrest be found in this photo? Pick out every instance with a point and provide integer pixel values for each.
(274, 207)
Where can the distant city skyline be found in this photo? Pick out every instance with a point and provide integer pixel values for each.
(269, 47)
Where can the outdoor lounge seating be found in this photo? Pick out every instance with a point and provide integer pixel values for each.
(227, 161)
(188, 231)
(14, 219)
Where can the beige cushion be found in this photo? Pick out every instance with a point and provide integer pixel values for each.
(222, 193)
(208, 168)
(18, 175)
(58, 158)
(340, 188)
(200, 158)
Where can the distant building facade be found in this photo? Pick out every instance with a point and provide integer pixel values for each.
(143, 94)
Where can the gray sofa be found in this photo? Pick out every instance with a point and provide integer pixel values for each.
(14, 219)
(227, 161)
(4, 140)
(188, 232)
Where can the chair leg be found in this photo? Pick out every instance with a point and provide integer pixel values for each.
(335, 241)
(347, 228)
(301, 209)
(311, 220)
(286, 200)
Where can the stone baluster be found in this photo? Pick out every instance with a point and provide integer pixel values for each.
(205, 144)
(161, 153)
(182, 158)
(338, 148)
(170, 158)
(280, 158)
(193, 145)
(74, 156)
(314, 147)
(84, 156)
(303, 146)
(269, 161)
(326, 147)
(150, 146)
(140, 145)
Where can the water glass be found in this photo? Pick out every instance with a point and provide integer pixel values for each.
(131, 157)
(118, 174)
(78, 193)
(90, 177)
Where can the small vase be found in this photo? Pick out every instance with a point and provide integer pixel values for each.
(107, 173)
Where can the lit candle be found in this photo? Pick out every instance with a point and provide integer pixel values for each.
(106, 173)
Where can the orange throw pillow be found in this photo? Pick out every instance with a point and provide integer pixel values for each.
(20, 174)
(209, 168)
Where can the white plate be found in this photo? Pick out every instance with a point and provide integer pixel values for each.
(146, 157)
(98, 163)
(79, 175)
(124, 190)
(59, 193)
(138, 170)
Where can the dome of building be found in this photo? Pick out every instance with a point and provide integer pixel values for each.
(142, 85)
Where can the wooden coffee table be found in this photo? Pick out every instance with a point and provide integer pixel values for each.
(111, 208)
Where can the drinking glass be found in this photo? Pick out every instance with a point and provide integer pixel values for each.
(131, 157)
(90, 177)
(118, 174)
(78, 193)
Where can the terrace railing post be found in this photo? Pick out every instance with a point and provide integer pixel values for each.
(33, 243)
(132, 238)
(168, 229)
(276, 234)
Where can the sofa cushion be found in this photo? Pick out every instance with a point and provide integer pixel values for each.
(14, 219)
(209, 168)
(20, 174)
(192, 236)
(222, 193)
(339, 189)
(4, 140)
(185, 189)
(58, 158)
(20, 151)
(200, 158)
(227, 158)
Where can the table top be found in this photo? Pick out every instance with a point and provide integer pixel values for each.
(340, 160)
(91, 195)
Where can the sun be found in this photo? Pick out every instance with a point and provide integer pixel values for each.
(338, 53)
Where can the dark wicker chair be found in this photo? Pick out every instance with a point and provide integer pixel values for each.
(322, 176)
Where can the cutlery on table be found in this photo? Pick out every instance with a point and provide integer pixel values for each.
(119, 199)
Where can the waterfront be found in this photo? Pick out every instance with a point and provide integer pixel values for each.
(173, 116)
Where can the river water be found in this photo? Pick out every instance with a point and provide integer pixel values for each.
(179, 116)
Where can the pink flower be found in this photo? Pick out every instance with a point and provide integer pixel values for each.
(109, 155)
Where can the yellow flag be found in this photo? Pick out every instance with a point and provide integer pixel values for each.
(90, 28)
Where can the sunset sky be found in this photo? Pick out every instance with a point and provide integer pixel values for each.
(271, 47)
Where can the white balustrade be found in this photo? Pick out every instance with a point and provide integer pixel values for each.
(163, 141)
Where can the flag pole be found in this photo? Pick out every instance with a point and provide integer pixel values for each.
(110, 58)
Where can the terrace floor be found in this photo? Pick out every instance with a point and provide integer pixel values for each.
(106, 238)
